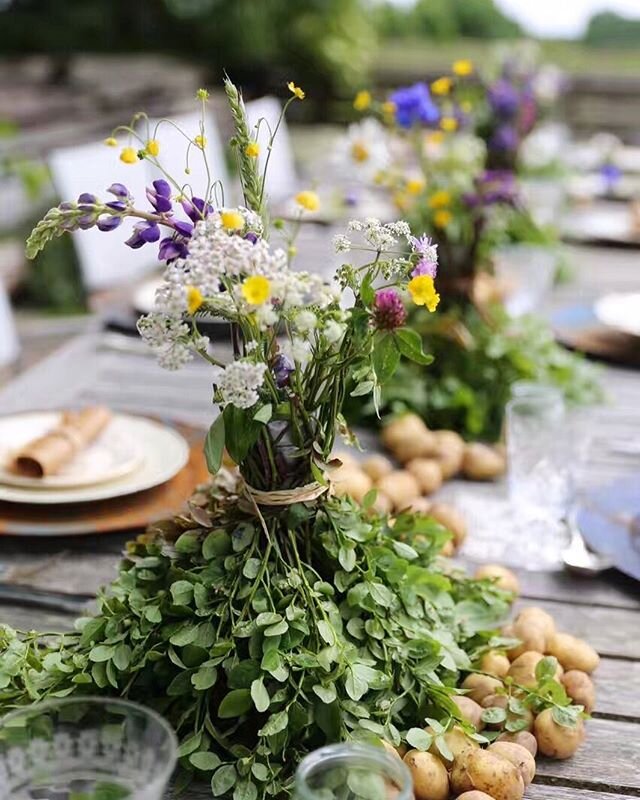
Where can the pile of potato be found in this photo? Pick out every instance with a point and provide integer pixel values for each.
(504, 769)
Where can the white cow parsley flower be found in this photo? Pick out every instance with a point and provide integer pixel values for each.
(238, 383)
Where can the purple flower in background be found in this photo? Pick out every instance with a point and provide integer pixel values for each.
(505, 137)
(494, 186)
(528, 112)
(611, 174)
(251, 237)
(160, 196)
(87, 199)
(282, 369)
(413, 104)
(143, 233)
(388, 310)
(119, 190)
(428, 252)
(109, 223)
(351, 199)
(504, 98)
(196, 209)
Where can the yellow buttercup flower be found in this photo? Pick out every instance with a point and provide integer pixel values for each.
(296, 90)
(128, 155)
(359, 152)
(362, 100)
(442, 218)
(232, 220)
(111, 142)
(252, 149)
(442, 86)
(200, 141)
(194, 299)
(423, 292)
(415, 185)
(440, 199)
(463, 67)
(153, 147)
(308, 200)
(449, 124)
(256, 290)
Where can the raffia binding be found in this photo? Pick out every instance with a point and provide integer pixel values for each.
(284, 497)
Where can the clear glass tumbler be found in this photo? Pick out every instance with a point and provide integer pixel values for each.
(87, 748)
(350, 772)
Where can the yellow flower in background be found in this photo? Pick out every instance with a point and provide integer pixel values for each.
(388, 108)
(434, 137)
(440, 199)
(466, 106)
(423, 292)
(442, 86)
(194, 299)
(379, 178)
(449, 124)
(111, 142)
(296, 90)
(359, 152)
(362, 100)
(442, 218)
(232, 220)
(308, 200)
(252, 149)
(415, 185)
(463, 67)
(153, 147)
(128, 155)
(401, 200)
(200, 141)
(256, 290)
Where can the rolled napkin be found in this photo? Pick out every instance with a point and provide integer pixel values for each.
(47, 454)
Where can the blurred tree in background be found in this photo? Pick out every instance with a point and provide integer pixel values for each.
(608, 28)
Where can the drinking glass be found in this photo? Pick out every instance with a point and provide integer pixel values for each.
(87, 748)
(350, 772)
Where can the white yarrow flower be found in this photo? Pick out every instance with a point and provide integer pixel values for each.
(238, 383)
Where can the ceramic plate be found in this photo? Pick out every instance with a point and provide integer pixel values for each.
(113, 454)
(606, 223)
(162, 453)
(620, 310)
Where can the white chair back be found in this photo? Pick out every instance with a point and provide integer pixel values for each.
(173, 151)
(282, 178)
(104, 260)
(9, 347)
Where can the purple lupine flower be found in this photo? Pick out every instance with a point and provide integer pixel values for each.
(196, 208)
(283, 366)
(171, 248)
(183, 228)
(493, 187)
(505, 137)
(504, 98)
(413, 104)
(528, 112)
(109, 223)
(388, 310)
(119, 190)
(87, 199)
(251, 236)
(160, 196)
(143, 233)
(116, 205)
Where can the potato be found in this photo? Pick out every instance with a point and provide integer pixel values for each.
(427, 472)
(407, 426)
(376, 466)
(458, 742)
(524, 738)
(519, 756)
(482, 463)
(580, 689)
(523, 669)
(532, 637)
(480, 686)
(390, 749)
(469, 710)
(449, 452)
(400, 487)
(495, 663)
(474, 795)
(487, 772)
(351, 481)
(501, 701)
(420, 505)
(557, 741)
(451, 519)
(347, 458)
(538, 617)
(503, 577)
(418, 446)
(573, 653)
(429, 775)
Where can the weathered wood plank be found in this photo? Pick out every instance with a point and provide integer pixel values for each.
(27, 619)
(612, 631)
(611, 589)
(539, 791)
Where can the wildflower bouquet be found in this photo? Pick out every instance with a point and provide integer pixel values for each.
(270, 616)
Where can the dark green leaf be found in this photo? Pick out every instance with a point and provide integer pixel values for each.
(235, 703)
(386, 358)
(409, 344)
(223, 779)
(214, 445)
(217, 543)
(204, 761)
(276, 723)
(204, 678)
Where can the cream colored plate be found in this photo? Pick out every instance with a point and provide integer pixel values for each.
(620, 310)
(162, 453)
(113, 454)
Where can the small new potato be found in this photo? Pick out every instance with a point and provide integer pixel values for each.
(557, 741)
(492, 774)
(407, 426)
(449, 452)
(523, 669)
(400, 487)
(573, 653)
(479, 686)
(524, 738)
(451, 519)
(469, 710)
(351, 481)
(540, 618)
(474, 794)
(519, 756)
(482, 463)
(427, 472)
(429, 775)
(376, 466)
(495, 663)
(458, 743)
(390, 749)
(532, 637)
(420, 505)
(579, 686)
(503, 577)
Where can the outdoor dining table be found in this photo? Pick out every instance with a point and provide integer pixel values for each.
(109, 368)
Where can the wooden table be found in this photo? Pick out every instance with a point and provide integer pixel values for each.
(604, 610)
